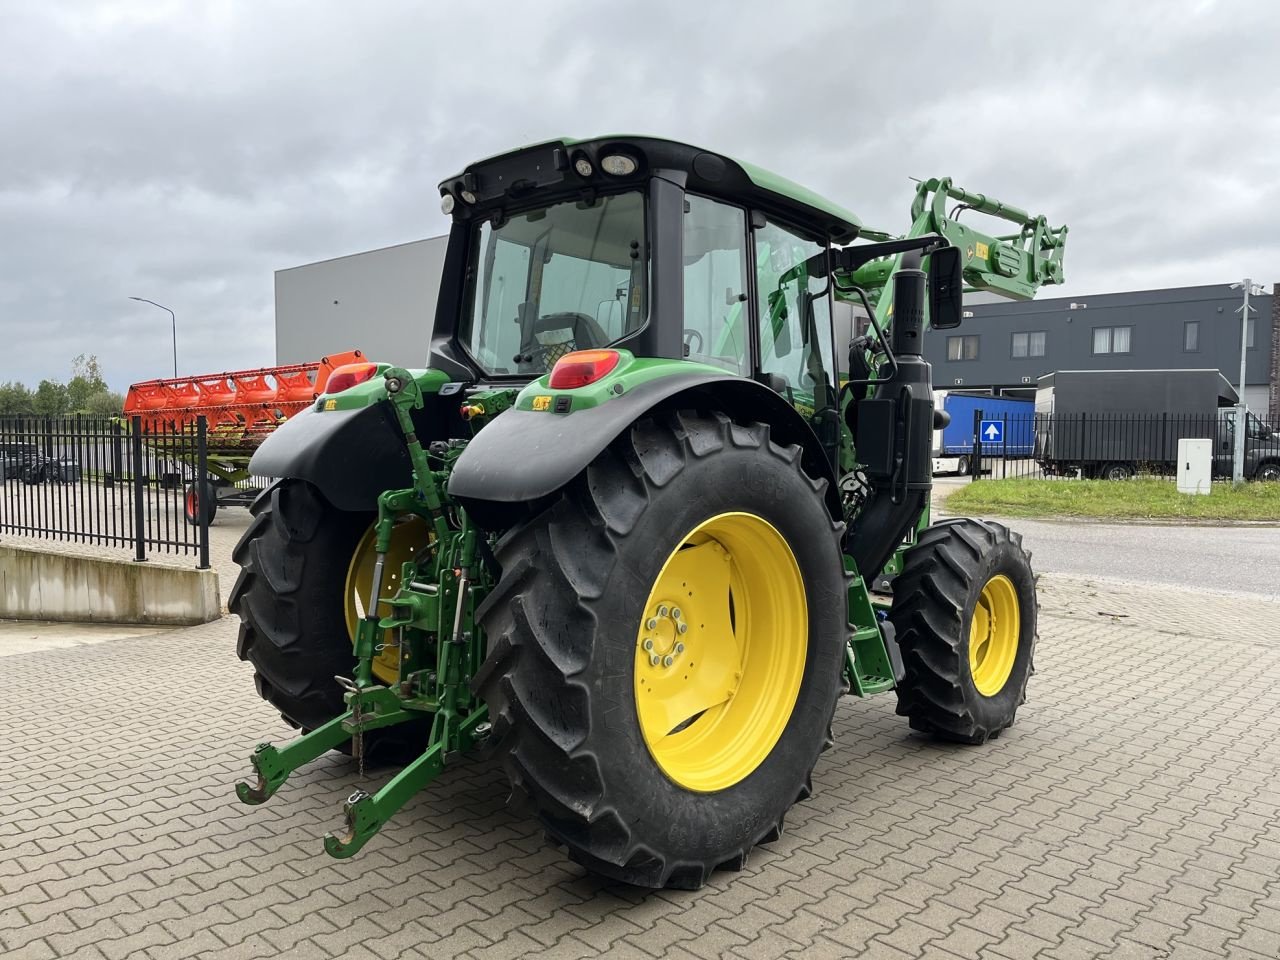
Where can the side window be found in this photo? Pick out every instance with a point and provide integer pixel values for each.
(498, 335)
(715, 284)
(790, 346)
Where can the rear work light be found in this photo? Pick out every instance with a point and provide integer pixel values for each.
(348, 375)
(582, 367)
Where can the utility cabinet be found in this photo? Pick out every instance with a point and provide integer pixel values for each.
(1195, 466)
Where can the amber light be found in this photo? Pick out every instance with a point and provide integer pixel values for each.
(582, 367)
(348, 375)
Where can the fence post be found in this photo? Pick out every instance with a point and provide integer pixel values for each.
(203, 490)
(139, 491)
(117, 453)
(1004, 447)
(1083, 431)
(975, 468)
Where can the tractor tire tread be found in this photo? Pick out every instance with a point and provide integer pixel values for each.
(539, 709)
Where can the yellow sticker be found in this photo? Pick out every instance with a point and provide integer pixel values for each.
(542, 403)
(982, 251)
(331, 404)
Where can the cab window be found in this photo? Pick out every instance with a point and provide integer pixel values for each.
(715, 284)
(795, 317)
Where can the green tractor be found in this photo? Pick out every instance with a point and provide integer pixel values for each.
(620, 531)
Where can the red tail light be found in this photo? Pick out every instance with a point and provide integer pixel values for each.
(348, 375)
(582, 367)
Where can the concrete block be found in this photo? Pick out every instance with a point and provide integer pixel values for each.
(48, 585)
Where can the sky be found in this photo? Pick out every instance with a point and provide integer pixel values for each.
(184, 152)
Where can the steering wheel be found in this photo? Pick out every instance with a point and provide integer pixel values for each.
(690, 335)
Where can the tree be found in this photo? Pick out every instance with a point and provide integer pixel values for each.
(105, 403)
(16, 400)
(86, 382)
(50, 399)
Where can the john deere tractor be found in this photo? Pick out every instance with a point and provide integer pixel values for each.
(620, 530)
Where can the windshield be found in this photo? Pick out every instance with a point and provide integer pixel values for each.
(571, 276)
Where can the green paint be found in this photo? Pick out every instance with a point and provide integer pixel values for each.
(374, 390)
(630, 373)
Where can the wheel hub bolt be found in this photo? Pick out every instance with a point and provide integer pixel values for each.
(675, 613)
(679, 648)
(648, 643)
(654, 660)
(668, 660)
(662, 610)
(651, 624)
(682, 628)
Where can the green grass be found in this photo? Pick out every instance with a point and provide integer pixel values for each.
(1140, 498)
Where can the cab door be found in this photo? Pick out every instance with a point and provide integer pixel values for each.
(795, 329)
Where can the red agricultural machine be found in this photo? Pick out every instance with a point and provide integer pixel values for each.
(241, 408)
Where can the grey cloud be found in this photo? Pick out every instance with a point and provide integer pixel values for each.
(185, 152)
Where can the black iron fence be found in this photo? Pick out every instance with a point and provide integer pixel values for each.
(1112, 446)
(105, 481)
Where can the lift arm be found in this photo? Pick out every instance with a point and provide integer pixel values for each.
(1014, 265)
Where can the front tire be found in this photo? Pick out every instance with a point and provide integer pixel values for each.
(588, 664)
(964, 612)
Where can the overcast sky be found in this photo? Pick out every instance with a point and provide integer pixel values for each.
(183, 152)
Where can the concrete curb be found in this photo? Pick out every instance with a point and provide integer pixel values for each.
(47, 585)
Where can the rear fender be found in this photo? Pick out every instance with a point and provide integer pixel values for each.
(349, 444)
(526, 455)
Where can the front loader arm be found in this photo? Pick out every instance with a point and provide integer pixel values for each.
(1014, 265)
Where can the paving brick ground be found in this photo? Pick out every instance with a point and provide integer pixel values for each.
(1134, 811)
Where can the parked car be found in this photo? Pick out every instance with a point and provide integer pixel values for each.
(14, 457)
(41, 469)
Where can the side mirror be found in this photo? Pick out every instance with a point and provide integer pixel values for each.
(946, 285)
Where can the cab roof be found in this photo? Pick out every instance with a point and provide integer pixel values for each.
(510, 176)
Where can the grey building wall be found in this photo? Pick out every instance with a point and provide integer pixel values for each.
(1157, 319)
(382, 302)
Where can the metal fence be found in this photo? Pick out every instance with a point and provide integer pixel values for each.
(1112, 446)
(105, 481)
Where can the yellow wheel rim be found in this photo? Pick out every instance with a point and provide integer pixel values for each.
(993, 635)
(407, 538)
(720, 652)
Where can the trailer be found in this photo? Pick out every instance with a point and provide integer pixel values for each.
(953, 445)
(241, 409)
(1112, 424)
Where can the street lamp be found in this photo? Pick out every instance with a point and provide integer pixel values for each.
(174, 321)
(1242, 410)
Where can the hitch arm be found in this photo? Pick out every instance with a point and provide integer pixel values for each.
(366, 813)
(273, 765)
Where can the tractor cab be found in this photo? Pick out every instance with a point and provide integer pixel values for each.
(655, 247)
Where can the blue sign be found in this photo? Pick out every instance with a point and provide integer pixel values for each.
(991, 431)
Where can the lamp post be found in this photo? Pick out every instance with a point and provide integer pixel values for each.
(174, 321)
(1237, 467)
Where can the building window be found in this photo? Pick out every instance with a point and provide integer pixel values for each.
(1029, 344)
(1111, 339)
(1248, 333)
(962, 348)
(1191, 336)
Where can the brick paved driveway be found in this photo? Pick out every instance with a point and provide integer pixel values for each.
(1134, 811)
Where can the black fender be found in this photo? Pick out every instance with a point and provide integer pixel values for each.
(525, 455)
(350, 455)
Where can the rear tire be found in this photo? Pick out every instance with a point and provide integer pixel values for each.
(1117, 471)
(564, 668)
(1267, 472)
(294, 559)
(962, 467)
(959, 570)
